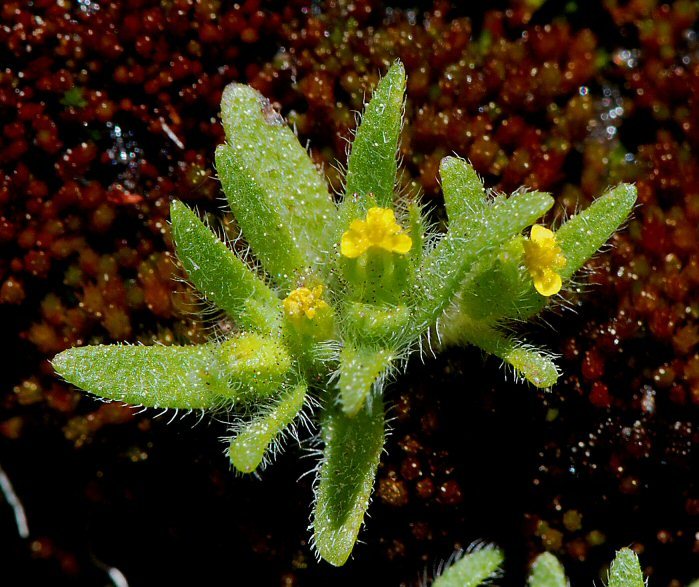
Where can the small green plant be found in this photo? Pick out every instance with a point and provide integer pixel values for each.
(482, 564)
(337, 296)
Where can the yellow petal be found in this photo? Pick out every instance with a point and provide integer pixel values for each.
(380, 229)
(543, 257)
(400, 243)
(357, 226)
(548, 282)
(541, 234)
(352, 244)
(380, 217)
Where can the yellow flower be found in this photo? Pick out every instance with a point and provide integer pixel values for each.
(303, 301)
(379, 230)
(544, 258)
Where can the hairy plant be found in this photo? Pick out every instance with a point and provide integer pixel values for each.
(337, 296)
(482, 564)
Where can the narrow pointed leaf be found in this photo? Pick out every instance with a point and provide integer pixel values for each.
(372, 163)
(472, 569)
(351, 456)
(547, 571)
(261, 220)
(248, 448)
(586, 232)
(535, 366)
(626, 570)
(446, 266)
(184, 377)
(270, 158)
(360, 368)
(464, 195)
(219, 275)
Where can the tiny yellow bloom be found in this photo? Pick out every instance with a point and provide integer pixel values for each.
(544, 258)
(303, 301)
(379, 230)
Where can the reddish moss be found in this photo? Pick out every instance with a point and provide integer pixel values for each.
(115, 112)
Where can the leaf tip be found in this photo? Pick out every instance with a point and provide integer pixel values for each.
(397, 69)
(625, 570)
(60, 362)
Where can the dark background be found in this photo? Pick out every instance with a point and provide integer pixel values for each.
(606, 459)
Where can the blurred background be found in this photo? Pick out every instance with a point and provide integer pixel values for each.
(108, 110)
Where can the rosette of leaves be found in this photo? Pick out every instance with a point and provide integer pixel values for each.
(482, 564)
(336, 296)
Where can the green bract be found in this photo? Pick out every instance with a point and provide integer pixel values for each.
(342, 295)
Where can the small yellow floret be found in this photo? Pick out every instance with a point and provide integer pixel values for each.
(544, 258)
(379, 230)
(304, 302)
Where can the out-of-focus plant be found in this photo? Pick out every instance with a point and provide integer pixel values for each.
(334, 298)
(482, 564)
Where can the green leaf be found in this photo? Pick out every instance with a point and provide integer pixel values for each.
(248, 448)
(261, 220)
(267, 148)
(360, 368)
(626, 570)
(446, 266)
(498, 286)
(372, 164)
(464, 195)
(416, 230)
(351, 456)
(183, 377)
(472, 569)
(547, 571)
(278, 196)
(586, 232)
(534, 365)
(377, 325)
(257, 365)
(219, 275)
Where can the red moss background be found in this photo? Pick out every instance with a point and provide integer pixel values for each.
(109, 109)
